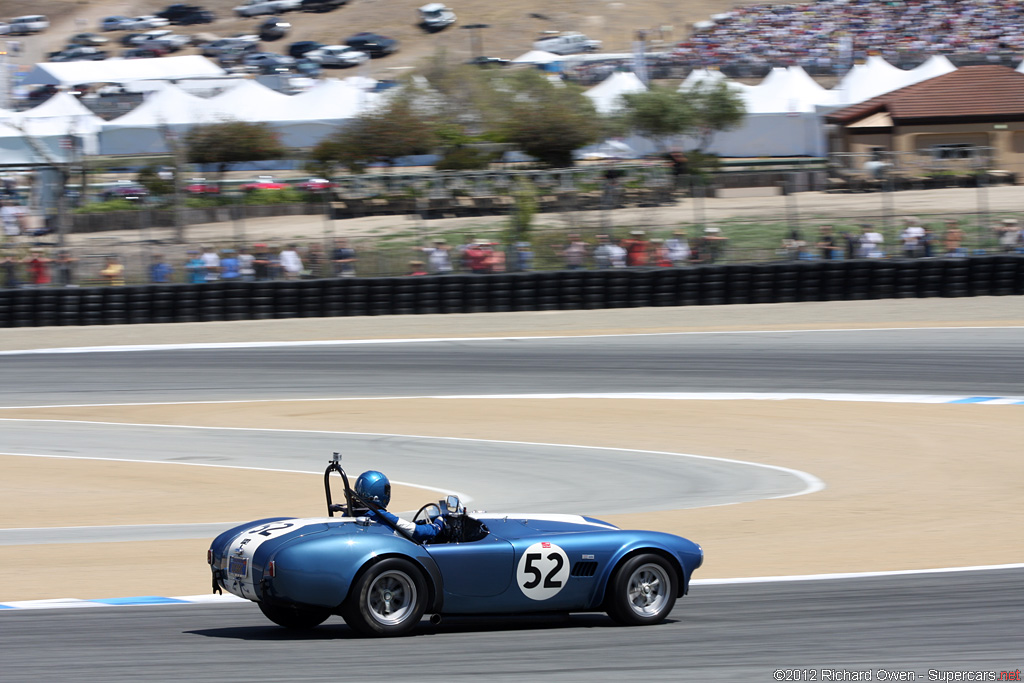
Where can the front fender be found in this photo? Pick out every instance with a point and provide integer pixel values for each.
(685, 556)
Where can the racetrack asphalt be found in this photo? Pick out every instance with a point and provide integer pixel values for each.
(954, 621)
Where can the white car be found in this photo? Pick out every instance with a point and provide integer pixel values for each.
(435, 16)
(144, 22)
(5, 28)
(171, 41)
(32, 23)
(337, 55)
(567, 44)
(252, 8)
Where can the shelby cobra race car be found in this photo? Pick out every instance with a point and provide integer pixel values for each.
(382, 582)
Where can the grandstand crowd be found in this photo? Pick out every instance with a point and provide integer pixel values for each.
(833, 34)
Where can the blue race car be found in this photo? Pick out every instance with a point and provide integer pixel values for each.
(382, 582)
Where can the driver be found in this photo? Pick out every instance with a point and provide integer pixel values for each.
(374, 486)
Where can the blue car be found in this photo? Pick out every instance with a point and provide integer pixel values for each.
(382, 582)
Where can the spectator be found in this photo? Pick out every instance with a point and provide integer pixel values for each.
(619, 255)
(852, 244)
(113, 272)
(261, 262)
(603, 252)
(523, 257)
(927, 245)
(478, 257)
(637, 249)
(574, 253)
(680, 166)
(911, 237)
(793, 243)
(678, 248)
(827, 246)
(11, 215)
(246, 266)
(159, 270)
(344, 259)
(713, 244)
(315, 260)
(659, 254)
(9, 270)
(871, 242)
(291, 263)
(195, 267)
(439, 256)
(1009, 234)
(211, 264)
(64, 266)
(417, 268)
(229, 265)
(953, 239)
(38, 267)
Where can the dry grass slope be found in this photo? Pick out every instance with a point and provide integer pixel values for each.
(513, 26)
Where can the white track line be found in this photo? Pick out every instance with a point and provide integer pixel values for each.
(198, 346)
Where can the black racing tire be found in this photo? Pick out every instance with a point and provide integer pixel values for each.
(295, 618)
(389, 599)
(642, 591)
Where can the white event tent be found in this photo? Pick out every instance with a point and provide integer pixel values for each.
(49, 124)
(607, 95)
(122, 71)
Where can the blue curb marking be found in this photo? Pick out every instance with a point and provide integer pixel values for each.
(141, 600)
(6, 607)
(975, 399)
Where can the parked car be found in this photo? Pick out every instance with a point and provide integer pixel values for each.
(567, 44)
(301, 47)
(147, 52)
(222, 45)
(314, 185)
(267, 62)
(78, 53)
(182, 14)
(87, 39)
(172, 42)
(337, 55)
(5, 28)
(435, 17)
(487, 62)
(202, 186)
(264, 182)
(124, 189)
(252, 8)
(28, 24)
(274, 29)
(113, 23)
(307, 67)
(146, 21)
(373, 44)
(320, 5)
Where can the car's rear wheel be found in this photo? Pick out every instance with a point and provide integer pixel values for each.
(642, 591)
(388, 599)
(298, 618)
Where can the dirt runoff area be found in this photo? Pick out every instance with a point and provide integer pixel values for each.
(907, 486)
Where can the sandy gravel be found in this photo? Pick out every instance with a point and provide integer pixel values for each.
(908, 486)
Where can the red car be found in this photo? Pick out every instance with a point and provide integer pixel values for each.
(200, 186)
(264, 182)
(315, 185)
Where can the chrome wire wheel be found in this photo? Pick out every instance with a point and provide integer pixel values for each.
(648, 590)
(392, 598)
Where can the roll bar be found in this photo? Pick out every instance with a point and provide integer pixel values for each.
(352, 499)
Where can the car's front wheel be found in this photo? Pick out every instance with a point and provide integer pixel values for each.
(388, 599)
(298, 618)
(642, 591)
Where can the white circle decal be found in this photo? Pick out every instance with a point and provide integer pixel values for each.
(543, 571)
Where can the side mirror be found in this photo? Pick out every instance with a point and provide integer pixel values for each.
(453, 504)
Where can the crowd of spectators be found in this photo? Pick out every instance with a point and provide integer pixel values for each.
(833, 34)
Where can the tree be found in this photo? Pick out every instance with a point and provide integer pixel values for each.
(662, 113)
(404, 126)
(718, 108)
(232, 142)
(545, 120)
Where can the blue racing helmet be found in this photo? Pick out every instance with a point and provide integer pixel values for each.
(373, 485)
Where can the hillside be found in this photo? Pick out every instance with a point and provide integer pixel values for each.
(512, 27)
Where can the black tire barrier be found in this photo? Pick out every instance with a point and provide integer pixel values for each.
(704, 285)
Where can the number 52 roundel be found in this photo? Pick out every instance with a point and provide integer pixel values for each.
(543, 570)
